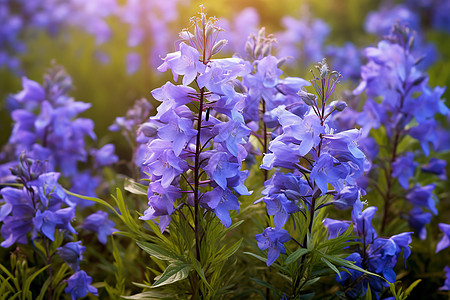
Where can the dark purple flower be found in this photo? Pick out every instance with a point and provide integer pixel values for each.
(328, 169)
(445, 241)
(362, 221)
(71, 253)
(418, 219)
(423, 196)
(105, 155)
(335, 228)
(403, 169)
(446, 286)
(221, 201)
(79, 284)
(272, 239)
(99, 223)
(436, 166)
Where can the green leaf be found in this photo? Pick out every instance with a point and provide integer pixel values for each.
(340, 240)
(296, 255)
(199, 269)
(310, 282)
(150, 295)
(229, 252)
(411, 287)
(134, 187)
(345, 263)
(94, 199)
(13, 278)
(176, 271)
(368, 295)
(263, 283)
(332, 267)
(158, 251)
(26, 286)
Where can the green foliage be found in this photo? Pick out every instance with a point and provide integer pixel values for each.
(176, 270)
(17, 283)
(399, 294)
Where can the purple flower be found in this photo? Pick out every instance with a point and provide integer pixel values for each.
(446, 286)
(445, 241)
(232, 133)
(178, 130)
(184, 62)
(423, 196)
(221, 201)
(335, 228)
(418, 219)
(32, 91)
(161, 201)
(272, 239)
(86, 184)
(380, 22)
(79, 284)
(281, 194)
(220, 167)
(71, 253)
(99, 223)
(426, 134)
(105, 155)
(133, 62)
(162, 161)
(436, 166)
(362, 221)
(347, 197)
(47, 221)
(383, 254)
(328, 169)
(403, 169)
(303, 39)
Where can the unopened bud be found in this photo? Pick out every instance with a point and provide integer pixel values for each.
(262, 33)
(308, 98)
(281, 62)
(209, 30)
(219, 46)
(340, 105)
(249, 48)
(148, 129)
(258, 50)
(266, 50)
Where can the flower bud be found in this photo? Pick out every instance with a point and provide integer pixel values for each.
(281, 62)
(148, 129)
(266, 49)
(258, 50)
(340, 105)
(308, 98)
(218, 46)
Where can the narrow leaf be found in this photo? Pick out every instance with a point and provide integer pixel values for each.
(158, 251)
(134, 187)
(230, 251)
(332, 267)
(173, 273)
(26, 286)
(296, 255)
(199, 269)
(411, 287)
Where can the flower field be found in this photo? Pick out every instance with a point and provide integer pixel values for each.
(225, 149)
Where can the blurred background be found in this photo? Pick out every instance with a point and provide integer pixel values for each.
(112, 48)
